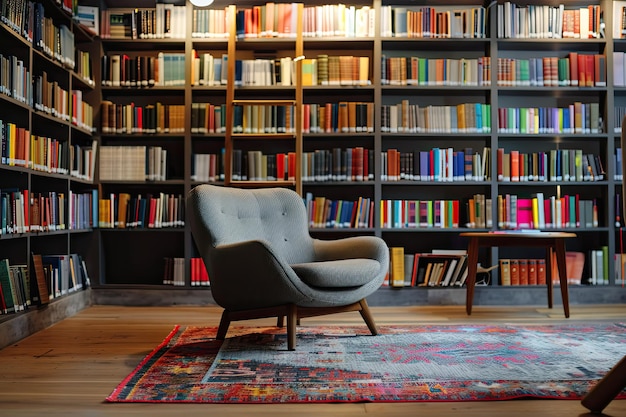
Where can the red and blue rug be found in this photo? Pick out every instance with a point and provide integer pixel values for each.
(346, 364)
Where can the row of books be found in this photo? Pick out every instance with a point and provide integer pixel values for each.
(208, 118)
(327, 213)
(254, 165)
(617, 163)
(50, 97)
(15, 79)
(133, 163)
(546, 21)
(337, 164)
(619, 112)
(174, 272)
(199, 274)
(338, 70)
(262, 72)
(524, 271)
(166, 20)
(338, 20)
(439, 268)
(341, 117)
(619, 265)
(28, 18)
(151, 118)
(260, 118)
(543, 212)
(46, 278)
(405, 117)
(22, 211)
(209, 23)
(40, 153)
(57, 42)
(576, 69)
(16, 15)
(167, 69)
(554, 165)
(209, 70)
(433, 22)
(619, 69)
(44, 95)
(207, 167)
(81, 112)
(268, 20)
(88, 17)
(577, 118)
(82, 210)
(436, 164)
(420, 214)
(414, 70)
(126, 211)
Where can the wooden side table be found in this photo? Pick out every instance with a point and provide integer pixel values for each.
(551, 241)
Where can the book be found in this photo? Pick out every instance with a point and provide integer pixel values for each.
(41, 295)
(396, 270)
(8, 289)
(505, 272)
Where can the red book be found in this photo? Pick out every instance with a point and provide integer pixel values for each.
(523, 271)
(291, 171)
(500, 162)
(455, 213)
(547, 210)
(532, 272)
(514, 268)
(589, 71)
(280, 166)
(573, 68)
(541, 271)
(582, 70)
(515, 166)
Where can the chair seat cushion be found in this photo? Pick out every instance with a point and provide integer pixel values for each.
(337, 274)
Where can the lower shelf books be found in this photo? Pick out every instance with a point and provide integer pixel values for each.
(174, 272)
(441, 268)
(533, 271)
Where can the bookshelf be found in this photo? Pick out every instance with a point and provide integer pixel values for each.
(48, 159)
(371, 157)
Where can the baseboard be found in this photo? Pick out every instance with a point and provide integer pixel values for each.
(385, 296)
(15, 327)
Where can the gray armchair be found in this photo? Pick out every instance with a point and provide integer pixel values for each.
(262, 262)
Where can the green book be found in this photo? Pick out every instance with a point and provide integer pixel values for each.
(8, 291)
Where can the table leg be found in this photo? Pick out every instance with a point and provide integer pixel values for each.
(472, 264)
(560, 261)
(549, 275)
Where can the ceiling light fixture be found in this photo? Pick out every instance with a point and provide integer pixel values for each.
(201, 3)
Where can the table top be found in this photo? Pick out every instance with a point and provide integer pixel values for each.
(519, 234)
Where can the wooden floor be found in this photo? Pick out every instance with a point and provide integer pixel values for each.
(68, 369)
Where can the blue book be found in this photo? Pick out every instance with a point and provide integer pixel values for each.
(424, 166)
(459, 166)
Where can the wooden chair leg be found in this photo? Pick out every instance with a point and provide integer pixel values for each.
(292, 319)
(607, 388)
(223, 328)
(280, 321)
(367, 317)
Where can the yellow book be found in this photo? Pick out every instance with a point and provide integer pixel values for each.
(535, 213)
(397, 266)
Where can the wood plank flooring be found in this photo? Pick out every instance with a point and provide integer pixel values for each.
(69, 368)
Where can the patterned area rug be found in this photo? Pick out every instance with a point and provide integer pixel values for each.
(416, 363)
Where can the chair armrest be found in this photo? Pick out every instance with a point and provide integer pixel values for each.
(370, 247)
(250, 275)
